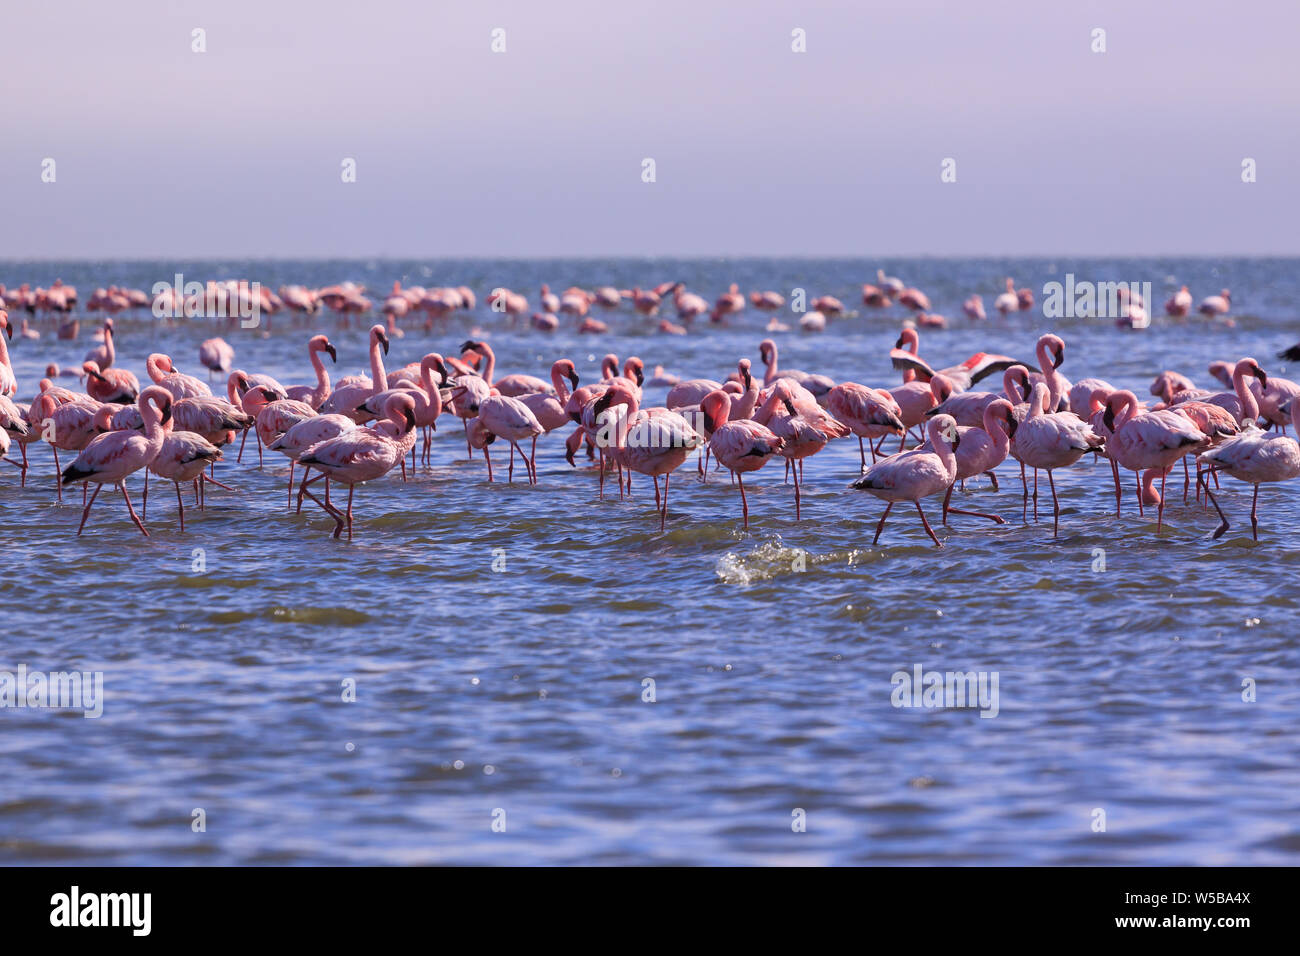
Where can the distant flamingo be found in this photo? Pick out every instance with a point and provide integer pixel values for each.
(104, 354)
(1179, 304)
(1216, 304)
(1008, 301)
(216, 355)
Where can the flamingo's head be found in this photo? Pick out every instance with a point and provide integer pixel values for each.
(321, 343)
(1248, 366)
(743, 366)
(566, 368)
(945, 427)
(634, 369)
(1054, 346)
(766, 349)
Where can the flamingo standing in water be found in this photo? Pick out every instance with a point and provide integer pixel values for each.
(1155, 440)
(653, 442)
(216, 355)
(740, 446)
(362, 455)
(182, 457)
(109, 458)
(307, 433)
(974, 307)
(1216, 304)
(1179, 304)
(1008, 301)
(1254, 457)
(69, 426)
(351, 394)
(315, 395)
(511, 419)
(164, 372)
(804, 430)
(867, 412)
(1050, 441)
(980, 450)
(916, 474)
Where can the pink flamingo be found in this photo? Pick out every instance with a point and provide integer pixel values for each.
(1051, 441)
(875, 297)
(1008, 301)
(648, 444)
(8, 382)
(183, 457)
(1254, 457)
(804, 430)
(916, 474)
(974, 307)
(730, 302)
(109, 458)
(511, 419)
(1216, 304)
(867, 412)
(914, 299)
(1168, 384)
(511, 386)
(980, 450)
(818, 385)
(349, 398)
(740, 446)
(163, 372)
(362, 454)
(1179, 304)
(763, 301)
(1241, 401)
(1149, 440)
(116, 385)
(216, 355)
(550, 302)
(104, 354)
(315, 395)
(308, 432)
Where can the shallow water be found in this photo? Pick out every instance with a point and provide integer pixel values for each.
(521, 690)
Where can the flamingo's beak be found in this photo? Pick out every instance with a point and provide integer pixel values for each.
(1108, 419)
(573, 377)
(1060, 356)
(383, 340)
(334, 355)
(1260, 374)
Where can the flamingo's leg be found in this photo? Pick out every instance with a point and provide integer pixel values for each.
(928, 529)
(881, 527)
(134, 517)
(86, 511)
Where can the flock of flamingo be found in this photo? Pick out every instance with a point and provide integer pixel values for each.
(361, 428)
(349, 300)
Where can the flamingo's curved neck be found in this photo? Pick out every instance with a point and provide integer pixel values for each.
(109, 350)
(434, 403)
(153, 365)
(609, 367)
(490, 368)
(322, 373)
(378, 380)
(997, 430)
(770, 376)
(1051, 376)
(1249, 406)
(561, 386)
(4, 352)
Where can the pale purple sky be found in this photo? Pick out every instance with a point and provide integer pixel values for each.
(537, 151)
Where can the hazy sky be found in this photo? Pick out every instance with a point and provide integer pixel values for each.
(161, 151)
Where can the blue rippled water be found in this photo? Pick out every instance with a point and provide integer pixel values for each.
(517, 696)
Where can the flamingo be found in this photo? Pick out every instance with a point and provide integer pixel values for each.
(116, 385)
(362, 454)
(980, 365)
(916, 474)
(69, 426)
(1216, 304)
(511, 419)
(1254, 457)
(1241, 401)
(315, 395)
(183, 457)
(109, 458)
(104, 354)
(216, 355)
(654, 442)
(427, 395)
(730, 302)
(1179, 304)
(875, 297)
(867, 412)
(974, 306)
(1008, 301)
(891, 285)
(763, 301)
(349, 398)
(914, 299)
(740, 446)
(1051, 441)
(308, 432)
(804, 430)
(163, 372)
(1168, 384)
(980, 450)
(818, 385)
(512, 386)
(8, 382)
(1149, 440)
